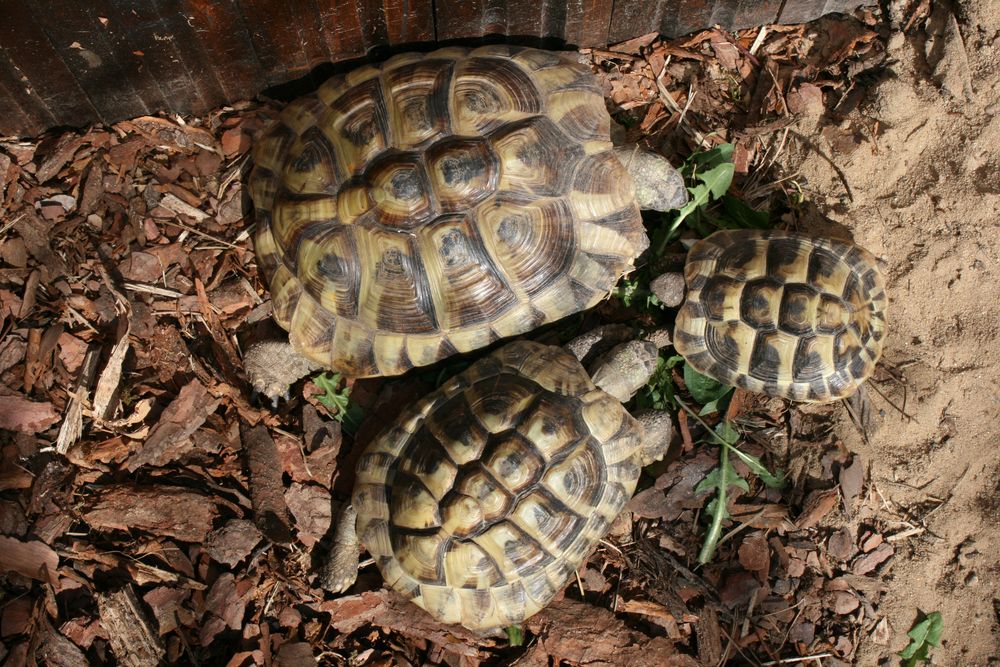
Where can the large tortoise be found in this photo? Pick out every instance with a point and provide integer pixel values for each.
(439, 202)
(484, 497)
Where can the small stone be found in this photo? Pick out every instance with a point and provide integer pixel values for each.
(972, 579)
(669, 289)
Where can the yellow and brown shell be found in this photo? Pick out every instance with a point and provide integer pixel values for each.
(782, 314)
(439, 202)
(484, 498)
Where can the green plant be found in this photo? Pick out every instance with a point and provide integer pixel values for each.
(723, 477)
(337, 400)
(709, 175)
(515, 635)
(923, 635)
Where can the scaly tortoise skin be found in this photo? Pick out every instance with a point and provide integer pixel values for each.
(483, 498)
(439, 202)
(782, 314)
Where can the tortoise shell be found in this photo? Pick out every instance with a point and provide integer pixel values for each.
(439, 202)
(782, 314)
(484, 498)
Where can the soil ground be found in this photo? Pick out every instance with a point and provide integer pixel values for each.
(918, 183)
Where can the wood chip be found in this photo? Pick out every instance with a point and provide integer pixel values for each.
(754, 554)
(130, 632)
(582, 634)
(817, 505)
(161, 510)
(25, 416)
(170, 438)
(233, 542)
(311, 507)
(870, 561)
(266, 486)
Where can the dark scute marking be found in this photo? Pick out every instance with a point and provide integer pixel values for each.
(406, 270)
(850, 352)
(714, 293)
(734, 257)
(851, 294)
(755, 306)
(869, 281)
(818, 390)
(483, 101)
(463, 168)
(509, 464)
(455, 248)
(764, 359)
(406, 184)
(807, 365)
(724, 351)
(581, 294)
(781, 252)
(792, 311)
(525, 552)
(822, 264)
(858, 367)
(333, 267)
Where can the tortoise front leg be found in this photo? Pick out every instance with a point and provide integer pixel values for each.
(341, 568)
(273, 366)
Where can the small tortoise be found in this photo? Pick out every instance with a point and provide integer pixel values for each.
(483, 498)
(782, 314)
(439, 202)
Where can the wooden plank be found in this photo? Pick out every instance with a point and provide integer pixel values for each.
(409, 21)
(151, 41)
(23, 113)
(219, 30)
(341, 25)
(751, 13)
(277, 43)
(803, 11)
(494, 18)
(38, 65)
(457, 19)
(687, 16)
(632, 18)
(587, 23)
(100, 57)
(553, 23)
(374, 28)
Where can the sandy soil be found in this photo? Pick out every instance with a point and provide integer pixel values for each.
(915, 176)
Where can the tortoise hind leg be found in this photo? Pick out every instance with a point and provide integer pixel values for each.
(341, 568)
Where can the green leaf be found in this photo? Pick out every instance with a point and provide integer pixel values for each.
(703, 388)
(742, 216)
(719, 178)
(923, 635)
(711, 158)
(515, 635)
(774, 481)
(334, 399)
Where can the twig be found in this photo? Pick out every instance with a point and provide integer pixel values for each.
(196, 232)
(792, 661)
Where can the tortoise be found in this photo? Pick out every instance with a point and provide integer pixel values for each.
(484, 497)
(783, 314)
(439, 202)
